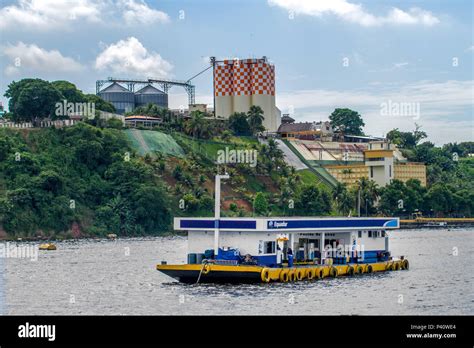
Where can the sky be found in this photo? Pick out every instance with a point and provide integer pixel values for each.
(398, 63)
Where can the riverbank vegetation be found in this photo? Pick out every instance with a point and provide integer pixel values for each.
(95, 178)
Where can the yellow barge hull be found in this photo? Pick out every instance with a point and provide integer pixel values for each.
(216, 273)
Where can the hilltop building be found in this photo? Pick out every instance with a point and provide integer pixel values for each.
(381, 165)
(304, 130)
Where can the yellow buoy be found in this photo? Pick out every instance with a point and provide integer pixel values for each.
(284, 275)
(47, 246)
(292, 275)
(311, 273)
(265, 275)
(300, 274)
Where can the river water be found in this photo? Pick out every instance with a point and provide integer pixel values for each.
(119, 277)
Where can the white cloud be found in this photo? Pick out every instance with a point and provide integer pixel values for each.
(400, 65)
(355, 13)
(130, 58)
(48, 14)
(26, 57)
(60, 14)
(138, 12)
(444, 107)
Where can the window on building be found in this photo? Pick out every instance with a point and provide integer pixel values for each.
(383, 233)
(360, 234)
(390, 171)
(269, 247)
(370, 234)
(371, 172)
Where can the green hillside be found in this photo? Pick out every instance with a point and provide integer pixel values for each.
(149, 142)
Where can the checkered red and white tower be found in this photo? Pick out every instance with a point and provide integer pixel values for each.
(239, 84)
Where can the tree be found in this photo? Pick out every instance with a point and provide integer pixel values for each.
(260, 204)
(150, 208)
(392, 198)
(149, 109)
(406, 140)
(69, 91)
(344, 200)
(369, 194)
(440, 199)
(238, 124)
(347, 121)
(395, 136)
(114, 123)
(255, 119)
(271, 157)
(345, 203)
(14, 89)
(32, 100)
(313, 201)
(197, 126)
(418, 134)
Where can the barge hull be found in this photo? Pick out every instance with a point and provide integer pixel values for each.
(214, 273)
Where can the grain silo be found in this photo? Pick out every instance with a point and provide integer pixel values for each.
(150, 94)
(223, 89)
(118, 96)
(239, 84)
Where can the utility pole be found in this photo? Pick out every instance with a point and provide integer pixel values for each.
(217, 210)
(213, 63)
(358, 202)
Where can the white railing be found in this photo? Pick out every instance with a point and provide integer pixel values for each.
(41, 124)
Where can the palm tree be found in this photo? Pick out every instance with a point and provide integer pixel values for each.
(343, 199)
(338, 191)
(273, 150)
(196, 125)
(255, 119)
(369, 193)
(345, 203)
